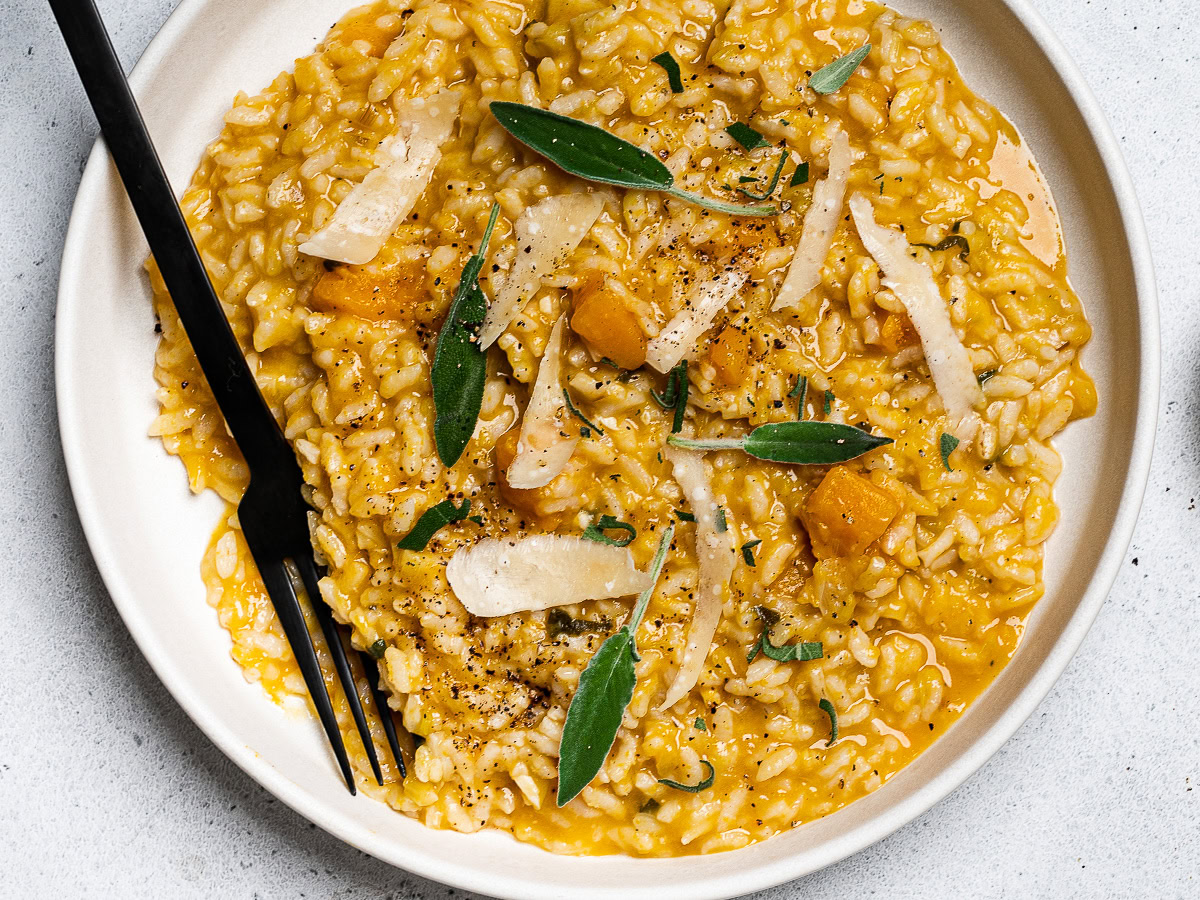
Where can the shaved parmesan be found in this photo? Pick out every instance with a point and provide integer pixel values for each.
(912, 282)
(715, 554)
(820, 225)
(679, 338)
(370, 213)
(544, 446)
(547, 233)
(499, 577)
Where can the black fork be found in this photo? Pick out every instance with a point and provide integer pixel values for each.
(273, 514)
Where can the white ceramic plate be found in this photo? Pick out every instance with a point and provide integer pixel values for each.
(148, 533)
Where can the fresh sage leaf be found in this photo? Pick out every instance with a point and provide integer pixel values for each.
(693, 788)
(605, 689)
(459, 363)
(746, 136)
(982, 377)
(445, 513)
(377, 649)
(748, 551)
(675, 396)
(803, 443)
(947, 443)
(684, 516)
(580, 416)
(667, 61)
(559, 623)
(953, 240)
(800, 176)
(594, 154)
(802, 651)
(699, 725)
(773, 183)
(595, 531)
(832, 713)
(838, 72)
(801, 391)
(829, 398)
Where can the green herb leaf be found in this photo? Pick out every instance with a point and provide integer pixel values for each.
(605, 689)
(829, 398)
(748, 551)
(684, 516)
(800, 176)
(377, 649)
(478, 520)
(581, 417)
(984, 376)
(773, 183)
(954, 240)
(746, 136)
(445, 513)
(721, 523)
(832, 713)
(597, 155)
(693, 788)
(459, 363)
(699, 725)
(948, 443)
(802, 651)
(802, 443)
(559, 623)
(675, 396)
(667, 61)
(595, 532)
(650, 807)
(801, 391)
(838, 72)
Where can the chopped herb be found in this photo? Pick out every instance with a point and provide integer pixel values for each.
(445, 513)
(803, 651)
(478, 520)
(801, 391)
(746, 136)
(800, 176)
(605, 689)
(459, 362)
(684, 516)
(984, 376)
(595, 532)
(829, 398)
(594, 154)
(675, 396)
(771, 185)
(954, 240)
(650, 807)
(722, 525)
(559, 623)
(667, 61)
(746, 179)
(947, 443)
(838, 72)
(693, 788)
(832, 713)
(802, 443)
(699, 725)
(748, 551)
(377, 649)
(588, 424)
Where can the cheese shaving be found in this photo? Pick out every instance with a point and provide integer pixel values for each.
(545, 445)
(679, 338)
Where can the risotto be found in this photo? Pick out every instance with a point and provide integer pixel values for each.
(820, 360)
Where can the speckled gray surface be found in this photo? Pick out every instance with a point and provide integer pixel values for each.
(109, 790)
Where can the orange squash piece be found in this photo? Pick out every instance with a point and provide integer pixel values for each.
(730, 355)
(846, 514)
(897, 333)
(397, 292)
(366, 30)
(608, 327)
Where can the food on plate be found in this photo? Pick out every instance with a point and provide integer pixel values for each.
(674, 387)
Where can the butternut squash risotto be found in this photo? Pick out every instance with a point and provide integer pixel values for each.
(762, 281)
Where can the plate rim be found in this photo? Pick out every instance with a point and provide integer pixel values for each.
(946, 780)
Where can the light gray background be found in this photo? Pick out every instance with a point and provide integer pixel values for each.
(108, 790)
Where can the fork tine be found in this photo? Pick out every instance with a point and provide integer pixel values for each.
(283, 597)
(371, 668)
(333, 638)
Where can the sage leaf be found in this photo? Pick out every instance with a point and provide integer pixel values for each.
(594, 154)
(445, 513)
(801, 391)
(802, 651)
(746, 136)
(802, 443)
(748, 551)
(774, 182)
(605, 689)
(800, 176)
(953, 240)
(693, 788)
(667, 61)
(832, 713)
(595, 531)
(377, 649)
(838, 72)
(948, 443)
(459, 363)
(588, 425)
(675, 396)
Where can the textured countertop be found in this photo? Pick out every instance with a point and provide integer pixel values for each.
(109, 790)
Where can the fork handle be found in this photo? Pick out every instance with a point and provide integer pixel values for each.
(250, 421)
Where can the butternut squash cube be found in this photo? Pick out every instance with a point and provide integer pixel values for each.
(730, 355)
(897, 333)
(846, 514)
(373, 293)
(608, 327)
